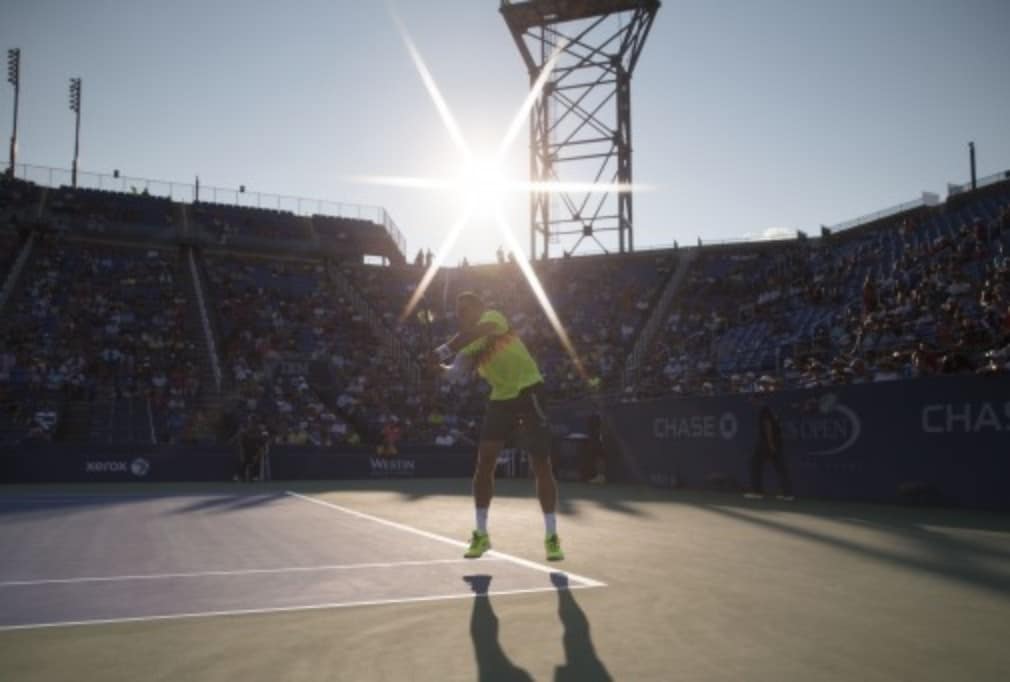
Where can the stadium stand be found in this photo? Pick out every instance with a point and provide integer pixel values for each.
(98, 211)
(105, 326)
(221, 223)
(287, 343)
(602, 302)
(9, 247)
(916, 295)
(102, 339)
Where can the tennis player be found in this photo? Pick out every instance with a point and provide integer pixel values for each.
(486, 342)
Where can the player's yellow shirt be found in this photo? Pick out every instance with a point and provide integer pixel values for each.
(502, 359)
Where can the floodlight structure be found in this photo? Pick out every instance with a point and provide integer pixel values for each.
(14, 78)
(580, 126)
(75, 106)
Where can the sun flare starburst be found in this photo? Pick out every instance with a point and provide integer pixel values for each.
(482, 185)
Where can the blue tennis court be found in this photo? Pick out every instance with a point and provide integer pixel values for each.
(90, 559)
(364, 580)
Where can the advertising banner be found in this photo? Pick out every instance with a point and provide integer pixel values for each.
(942, 440)
(943, 437)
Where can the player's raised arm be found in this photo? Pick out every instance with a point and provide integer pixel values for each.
(475, 323)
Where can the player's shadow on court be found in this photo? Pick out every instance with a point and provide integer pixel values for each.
(581, 662)
(492, 663)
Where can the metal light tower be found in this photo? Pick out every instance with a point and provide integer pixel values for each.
(580, 128)
(14, 78)
(971, 160)
(75, 106)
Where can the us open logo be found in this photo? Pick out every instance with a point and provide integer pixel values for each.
(832, 429)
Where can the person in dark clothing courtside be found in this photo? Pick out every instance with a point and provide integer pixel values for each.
(768, 448)
(253, 444)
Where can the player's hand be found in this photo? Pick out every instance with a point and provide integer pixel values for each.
(444, 354)
(459, 370)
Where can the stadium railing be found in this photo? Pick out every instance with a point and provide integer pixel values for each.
(979, 183)
(189, 192)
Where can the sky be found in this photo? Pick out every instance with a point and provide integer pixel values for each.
(748, 116)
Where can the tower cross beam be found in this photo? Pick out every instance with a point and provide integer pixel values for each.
(580, 125)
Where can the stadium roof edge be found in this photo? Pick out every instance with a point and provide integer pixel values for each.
(186, 192)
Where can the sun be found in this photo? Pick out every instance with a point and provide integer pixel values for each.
(481, 185)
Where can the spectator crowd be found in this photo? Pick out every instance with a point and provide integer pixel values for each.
(303, 342)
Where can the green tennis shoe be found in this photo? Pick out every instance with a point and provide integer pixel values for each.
(479, 543)
(553, 546)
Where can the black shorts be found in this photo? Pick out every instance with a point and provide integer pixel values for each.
(524, 416)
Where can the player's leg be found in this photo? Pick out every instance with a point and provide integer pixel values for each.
(483, 478)
(546, 484)
(757, 463)
(600, 462)
(246, 455)
(785, 484)
(239, 461)
(256, 467)
(537, 432)
(547, 493)
(483, 491)
(250, 459)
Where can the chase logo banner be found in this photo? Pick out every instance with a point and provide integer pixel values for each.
(724, 426)
(966, 417)
(866, 441)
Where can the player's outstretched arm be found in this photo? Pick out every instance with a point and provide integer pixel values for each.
(448, 350)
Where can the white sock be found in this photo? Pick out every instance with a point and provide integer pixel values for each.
(550, 523)
(481, 519)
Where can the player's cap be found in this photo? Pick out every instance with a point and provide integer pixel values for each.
(469, 297)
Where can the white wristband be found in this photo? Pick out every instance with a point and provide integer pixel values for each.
(444, 353)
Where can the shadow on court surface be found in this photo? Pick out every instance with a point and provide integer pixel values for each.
(581, 661)
(619, 498)
(54, 505)
(231, 503)
(935, 553)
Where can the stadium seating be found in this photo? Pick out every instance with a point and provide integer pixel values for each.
(222, 222)
(102, 338)
(98, 210)
(920, 294)
(101, 324)
(9, 245)
(601, 301)
(297, 353)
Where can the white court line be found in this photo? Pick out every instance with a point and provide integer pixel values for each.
(285, 609)
(586, 582)
(98, 497)
(248, 571)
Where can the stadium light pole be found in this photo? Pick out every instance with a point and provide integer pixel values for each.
(14, 78)
(580, 126)
(971, 157)
(75, 106)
